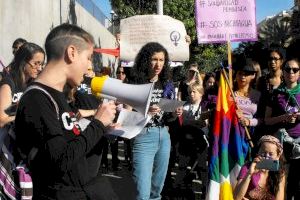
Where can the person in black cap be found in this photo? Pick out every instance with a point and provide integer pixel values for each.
(247, 98)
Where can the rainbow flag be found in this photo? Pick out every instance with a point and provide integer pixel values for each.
(229, 147)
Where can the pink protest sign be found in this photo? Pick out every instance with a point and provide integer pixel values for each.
(225, 20)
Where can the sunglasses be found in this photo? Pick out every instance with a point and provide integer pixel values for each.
(121, 73)
(274, 58)
(248, 73)
(288, 69)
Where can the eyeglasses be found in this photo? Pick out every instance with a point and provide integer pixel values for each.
(35, 65)
(274, 58)
(288, 69)
(121, 73)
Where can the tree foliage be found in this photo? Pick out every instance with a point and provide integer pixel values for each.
(276, 31)
(207, 56)
(281, 30)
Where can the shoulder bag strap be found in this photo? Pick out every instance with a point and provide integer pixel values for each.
(47, 93)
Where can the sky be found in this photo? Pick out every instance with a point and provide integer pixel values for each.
(264, 8)
(104, 6)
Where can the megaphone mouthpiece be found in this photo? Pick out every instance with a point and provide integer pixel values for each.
(137, 96)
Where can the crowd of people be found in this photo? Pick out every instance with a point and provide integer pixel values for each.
(65, 158)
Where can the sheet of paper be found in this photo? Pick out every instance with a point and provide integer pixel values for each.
(83, 123)
(169, 105)
(138, 30)
(131, 122)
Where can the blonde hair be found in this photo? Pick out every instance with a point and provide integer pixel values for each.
(196, 86)
(198, 78)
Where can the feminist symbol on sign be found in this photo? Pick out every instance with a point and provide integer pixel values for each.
(175, 37)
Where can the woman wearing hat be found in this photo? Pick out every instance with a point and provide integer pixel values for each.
(257, 183)
(247, 98)
(192, 77)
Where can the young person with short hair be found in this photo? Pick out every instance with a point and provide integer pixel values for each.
(60, 166)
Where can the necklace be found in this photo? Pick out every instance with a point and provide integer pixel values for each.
(243, 94)
(154, 79)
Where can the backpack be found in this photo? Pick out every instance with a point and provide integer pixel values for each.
(15, 178)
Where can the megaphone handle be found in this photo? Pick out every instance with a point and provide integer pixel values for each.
(107, 98)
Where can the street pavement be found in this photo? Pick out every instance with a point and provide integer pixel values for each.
(120, 179)
(180, 183)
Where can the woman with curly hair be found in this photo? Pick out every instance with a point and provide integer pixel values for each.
(151, 148)
(262, 184)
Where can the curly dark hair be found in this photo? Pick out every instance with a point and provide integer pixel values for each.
(281, 52)
(140, 72)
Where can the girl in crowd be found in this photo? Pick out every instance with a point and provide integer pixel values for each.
(247, 98)
(209, 81)
(194, 107)
(262, 184)
(27, 64)
(283, 112)
(192, 76)
(151, 148)
(274, 78)
(210, 90)
(193, 142)
(267, 83)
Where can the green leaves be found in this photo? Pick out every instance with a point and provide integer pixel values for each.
(207, 56)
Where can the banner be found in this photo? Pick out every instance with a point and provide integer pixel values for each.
(219, 21)
(113, 52)
(138, 30)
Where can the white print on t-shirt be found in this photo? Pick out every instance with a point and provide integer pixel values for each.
(16, 97)
(245, 102)
(155, 98)
(84, 87)
(156, 95)
(70, 122)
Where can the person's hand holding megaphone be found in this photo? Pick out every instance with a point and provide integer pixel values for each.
(106, 113)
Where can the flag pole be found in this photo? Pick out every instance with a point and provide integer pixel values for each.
(234, 99)
(229, 62)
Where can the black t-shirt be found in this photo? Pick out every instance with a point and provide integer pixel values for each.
(83, 96)
(63, 148)
(16, 91)
(183, 88)
(157, 94)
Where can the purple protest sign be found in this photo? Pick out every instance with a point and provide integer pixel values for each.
(219, 21)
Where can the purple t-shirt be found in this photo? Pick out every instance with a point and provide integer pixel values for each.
(254, 178)
(280, 105)
(249, 105)
(254, 190)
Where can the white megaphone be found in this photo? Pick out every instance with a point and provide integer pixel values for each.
(137, 96)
